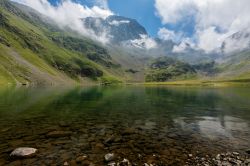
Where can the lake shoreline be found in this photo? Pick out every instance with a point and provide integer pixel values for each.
(197, 83)
(112, 159)
(219, 83)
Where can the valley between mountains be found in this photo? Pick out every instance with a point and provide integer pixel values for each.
(35, 51)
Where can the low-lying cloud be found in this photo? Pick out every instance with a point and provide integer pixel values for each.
(144, 42)
(166, 34)
(215, 20)
(69, 14)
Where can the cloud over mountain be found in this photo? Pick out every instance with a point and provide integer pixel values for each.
(69, 14)
(215, 20)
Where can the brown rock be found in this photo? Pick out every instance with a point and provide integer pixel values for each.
(80, 159)
(128, 131)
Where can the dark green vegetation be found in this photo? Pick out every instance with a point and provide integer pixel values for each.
(166, 69)
(35, 51)
(162, 125)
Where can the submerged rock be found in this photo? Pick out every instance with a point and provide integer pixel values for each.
(23, 152)
(125, 162)
(80, 159)
(109, 157)
(57, 134)
(109, 140)
(146, 164)
(112, 163)
(128, 131)
(65, 163)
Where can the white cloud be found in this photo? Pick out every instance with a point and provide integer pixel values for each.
(117, 23)
(171, 11)
(209, 39)
(166, 34)
(215, 19)
(69, 14)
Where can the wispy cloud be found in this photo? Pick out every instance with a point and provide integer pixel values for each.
(69, 14)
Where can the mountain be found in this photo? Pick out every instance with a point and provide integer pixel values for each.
(35, 51)
(119, 29)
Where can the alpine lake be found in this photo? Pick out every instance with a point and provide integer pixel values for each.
(138, 125)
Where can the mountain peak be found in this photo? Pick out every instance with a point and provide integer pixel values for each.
(118, 28)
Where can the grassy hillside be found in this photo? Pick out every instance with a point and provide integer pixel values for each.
(236, 66)
(34, 51)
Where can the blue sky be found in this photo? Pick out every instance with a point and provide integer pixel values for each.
(141, 10)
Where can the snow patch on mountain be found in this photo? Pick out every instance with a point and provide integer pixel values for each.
(144, 42)
(118, 23)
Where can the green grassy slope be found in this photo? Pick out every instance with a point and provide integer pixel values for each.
(235, 67)
(34, 51)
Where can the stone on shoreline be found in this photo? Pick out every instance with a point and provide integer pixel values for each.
(23, 152)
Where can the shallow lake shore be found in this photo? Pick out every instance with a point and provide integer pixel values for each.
(142, 124)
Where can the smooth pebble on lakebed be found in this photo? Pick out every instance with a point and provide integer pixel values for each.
(23, 152)
(109, 157)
